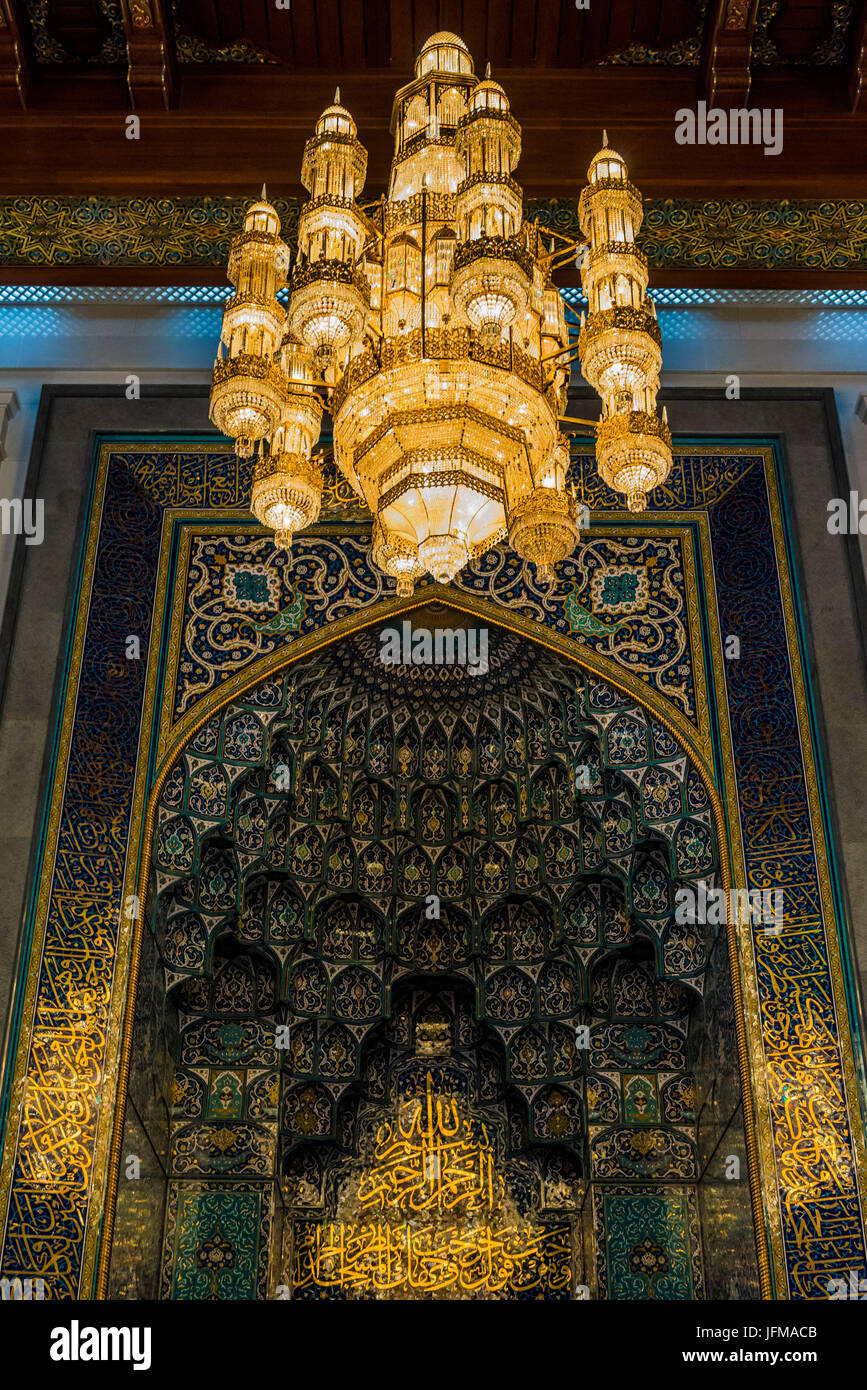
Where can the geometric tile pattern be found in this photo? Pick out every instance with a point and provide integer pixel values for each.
(647, 1246)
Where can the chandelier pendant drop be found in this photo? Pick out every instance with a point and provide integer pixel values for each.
(430, 326)
(620, 344)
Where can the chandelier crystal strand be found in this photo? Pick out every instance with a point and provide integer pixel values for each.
(620, 342)
(329, 299)
(431, 324)
(247, 392)
(287, 482)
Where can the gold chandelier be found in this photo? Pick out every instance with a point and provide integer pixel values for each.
(430, 325)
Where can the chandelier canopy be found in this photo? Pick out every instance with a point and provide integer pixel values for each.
(430, 324)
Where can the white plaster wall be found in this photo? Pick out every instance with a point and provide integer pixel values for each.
(782, 347)
(86, 345)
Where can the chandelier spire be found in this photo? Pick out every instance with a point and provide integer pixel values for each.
(432, 330)
(620, 343)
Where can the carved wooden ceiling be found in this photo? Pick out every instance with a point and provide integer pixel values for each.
(228, 90)
(357, 35)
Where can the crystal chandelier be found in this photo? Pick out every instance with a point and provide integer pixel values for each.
(430, 326)
(619, 344)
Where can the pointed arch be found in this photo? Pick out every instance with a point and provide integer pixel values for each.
(675, 735)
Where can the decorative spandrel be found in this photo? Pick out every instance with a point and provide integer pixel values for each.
(431, 1215)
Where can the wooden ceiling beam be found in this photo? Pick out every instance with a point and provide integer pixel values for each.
(724, 67)
(16, 57)
(226, 157)
(152, 75)
(232, 130)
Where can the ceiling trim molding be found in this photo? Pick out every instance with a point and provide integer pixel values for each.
(186, 239)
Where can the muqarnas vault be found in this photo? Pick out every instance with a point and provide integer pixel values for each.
(427, 1024)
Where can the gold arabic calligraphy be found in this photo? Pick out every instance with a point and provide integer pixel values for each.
(380, 1257)
(432, 1162)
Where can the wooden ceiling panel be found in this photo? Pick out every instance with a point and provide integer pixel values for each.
(400, 35)
(572, 27)
(498, 48)
(675, 22)
(231, 19)
(524, 23)
(425, 21)
(252, 80)
(474, 28)
(627, 24)
(644, 30)
(358, 35)
(355, 20)
(255, 19)
(328, 40)
(279, 26)
(800, 27)
(303, 15)
(223, 22)
(79, 25)
(450, 16)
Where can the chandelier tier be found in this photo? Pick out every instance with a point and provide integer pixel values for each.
(430, 325)
(620, 343)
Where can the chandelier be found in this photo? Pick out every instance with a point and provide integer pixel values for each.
(429, 325)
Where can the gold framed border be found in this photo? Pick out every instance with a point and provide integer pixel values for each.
(28, 1030)
(830, 926)
(676, 724)
(753, 1061)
